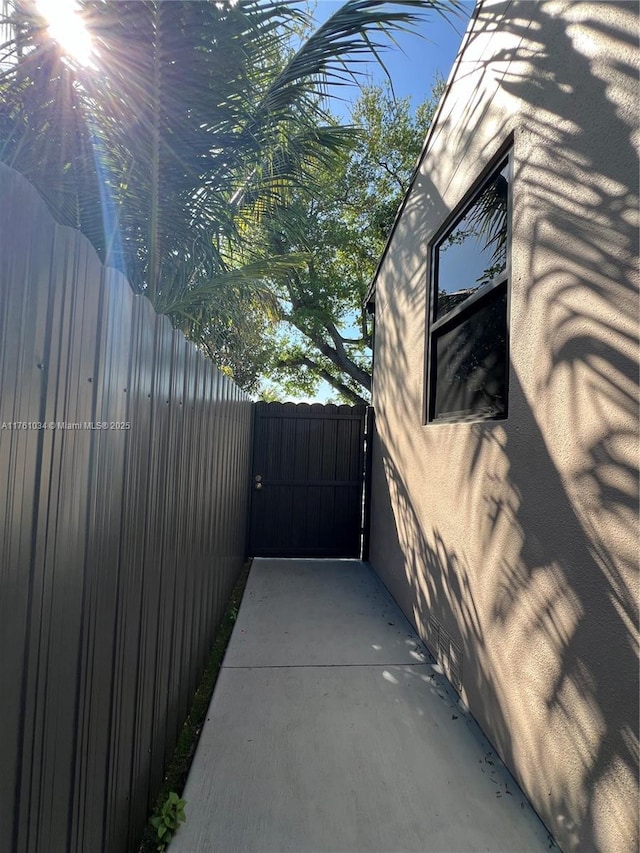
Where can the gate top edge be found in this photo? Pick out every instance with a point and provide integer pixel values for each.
(295, 409)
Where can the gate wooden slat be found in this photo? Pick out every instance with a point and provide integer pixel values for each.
(307, 480)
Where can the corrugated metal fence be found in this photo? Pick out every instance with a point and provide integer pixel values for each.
(122, 535)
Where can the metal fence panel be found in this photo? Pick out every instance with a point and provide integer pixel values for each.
(23, 323)
(61, 530)
(119, 545)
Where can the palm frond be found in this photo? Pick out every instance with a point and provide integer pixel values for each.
(198, 120)
(248, 276)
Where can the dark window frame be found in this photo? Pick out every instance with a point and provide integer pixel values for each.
(438, 326)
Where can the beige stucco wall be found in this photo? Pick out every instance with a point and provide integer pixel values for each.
(520, 536)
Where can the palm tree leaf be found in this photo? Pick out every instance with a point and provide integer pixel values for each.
(195, 124)
(252, 274)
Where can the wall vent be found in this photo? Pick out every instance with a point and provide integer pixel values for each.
(448, 653)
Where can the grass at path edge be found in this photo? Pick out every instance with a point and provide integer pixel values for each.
(178, 769)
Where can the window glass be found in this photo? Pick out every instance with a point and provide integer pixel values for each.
(474, 252)
(471, 361)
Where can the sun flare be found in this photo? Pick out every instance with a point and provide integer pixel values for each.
(67, 27)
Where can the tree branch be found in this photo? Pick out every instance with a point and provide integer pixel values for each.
(392, 174)
(304, 361)
(340, 357)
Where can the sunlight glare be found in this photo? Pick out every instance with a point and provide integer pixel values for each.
(67, 28)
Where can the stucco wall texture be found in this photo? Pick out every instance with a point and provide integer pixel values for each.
(520, 536)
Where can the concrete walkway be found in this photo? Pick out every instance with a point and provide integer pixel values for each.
(331, 729)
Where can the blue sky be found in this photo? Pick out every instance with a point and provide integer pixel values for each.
(419, 56)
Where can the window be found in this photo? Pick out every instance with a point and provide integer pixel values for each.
(468, 354)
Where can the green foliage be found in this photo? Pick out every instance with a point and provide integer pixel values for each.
(198, 124)
(169, 819)
(391, 142)
(325, 333)
(182, 132)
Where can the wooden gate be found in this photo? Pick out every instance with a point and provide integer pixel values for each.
(307, 490)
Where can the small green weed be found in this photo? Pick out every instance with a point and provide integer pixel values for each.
(170, 817)
(176, 775)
